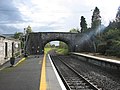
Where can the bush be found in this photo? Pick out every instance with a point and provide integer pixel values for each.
(114, 49)
(101, 48)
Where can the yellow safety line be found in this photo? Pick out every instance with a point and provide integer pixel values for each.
(43, 84)
(19, 61)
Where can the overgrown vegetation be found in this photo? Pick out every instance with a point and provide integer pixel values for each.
(110, 42)
(47, 49)
(62, 51)
(107, 41)
(22, 35)
(110, 38)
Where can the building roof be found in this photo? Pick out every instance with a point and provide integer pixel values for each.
(8, 36)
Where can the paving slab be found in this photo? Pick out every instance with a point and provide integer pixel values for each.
(25, 76)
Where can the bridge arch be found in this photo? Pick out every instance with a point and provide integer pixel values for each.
(36, 41)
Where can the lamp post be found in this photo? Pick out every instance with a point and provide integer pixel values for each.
(24, 34)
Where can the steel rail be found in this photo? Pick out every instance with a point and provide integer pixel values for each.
(91, 85)
(60, 74)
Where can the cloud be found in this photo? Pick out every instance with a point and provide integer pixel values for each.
(8, 29)
(9, 13)
(53, 15)
(47, 27)
(108, 8)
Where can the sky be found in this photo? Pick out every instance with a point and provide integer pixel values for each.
(52, 15)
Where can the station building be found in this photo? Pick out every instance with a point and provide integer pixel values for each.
(8, 47)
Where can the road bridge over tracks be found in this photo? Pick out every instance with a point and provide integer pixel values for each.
(35, 42)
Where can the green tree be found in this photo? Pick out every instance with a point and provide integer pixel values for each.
(74, 30)
(48, 45)
(96, 19)
(18, 35)
(118, 19)
(118, 15)
(53, 46)
(83, 24)
(28, 30)
(63, 45)
(111, 37)
(109, 42)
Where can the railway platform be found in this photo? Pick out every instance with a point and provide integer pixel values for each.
(33, 73)
(53, 81)
(99, 58)
(103, 62)
(7, 64)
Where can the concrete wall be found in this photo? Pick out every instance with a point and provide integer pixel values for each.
(5, 54)
(102, 62)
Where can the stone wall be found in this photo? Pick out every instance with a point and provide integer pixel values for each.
(36, 41)
(8, 48)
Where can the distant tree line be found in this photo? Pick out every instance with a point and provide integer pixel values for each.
(61, 45)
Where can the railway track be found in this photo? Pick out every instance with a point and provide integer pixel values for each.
(71, 78)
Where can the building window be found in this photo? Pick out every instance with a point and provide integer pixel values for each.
(6, 49)
(12, 48)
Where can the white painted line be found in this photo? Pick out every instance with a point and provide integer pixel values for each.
(57, 75)
(99, 58)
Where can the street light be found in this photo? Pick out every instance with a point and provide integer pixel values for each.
(24, 35)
